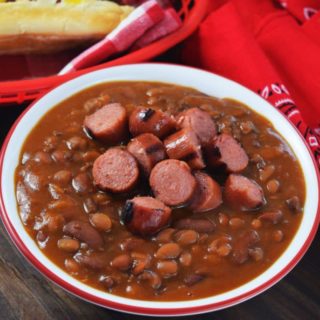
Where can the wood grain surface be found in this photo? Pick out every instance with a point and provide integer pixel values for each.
(26, 294)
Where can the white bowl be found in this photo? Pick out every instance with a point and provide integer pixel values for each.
(205, 82)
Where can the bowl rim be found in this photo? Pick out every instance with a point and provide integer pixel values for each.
(165, 311)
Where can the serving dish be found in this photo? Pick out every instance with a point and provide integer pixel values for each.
(202, 81)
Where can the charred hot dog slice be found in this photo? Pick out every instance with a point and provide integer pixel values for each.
(108, 124)
(116, 170)
(243, 193)
(148, 120)
(145, 215)
(172, 182)
(184, 145)
(208, 195)
(200, 122)
(148, 151)
(228, 152)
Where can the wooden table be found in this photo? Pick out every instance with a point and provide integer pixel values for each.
(25, 294)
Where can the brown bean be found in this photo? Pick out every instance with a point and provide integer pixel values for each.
(220, 246)
(84, 232)
(247, 127)
(55, 222)
(101, 222)
(33, 181)
(82, 183)
(167, 268)
(236, 223)
(66, 206)
(132, 243)
(193, 279)
(62, 177)
(101, 198)
(277, 235)
(89, 205)
(256, 223)
(42, 238)
(121, 262)
(256, 253)
(60, 156)
(186, 237)
(294, 204)
(185, 259)
(50, 143)
(90, 156)
(68, 245)
(94, 261)
(71, 266)
(199, 225)
(266, 172)
(107, 281)
(165, 235)
(55, 191)
(272, 216)
(168, 251)
(273, 186)
(77, 143)
(141, 261)
(42, 157)
(153, 279)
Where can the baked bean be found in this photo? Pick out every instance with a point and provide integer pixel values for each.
(223, 219)
(62, 177)
(193, 279)
(203, 237)
(224, 250)
(220, 246)
(236, 223)
(277, 235)
(256, 253)
(42, 157)
(55, 223)
(256, 223)
(131, 244)
(272, 216)
(258, 160)
(140, 262)
(153, 279)
(77, 143)
(266, 172)
(42, 238)
(55, 191)
(122, 262)
(94, 261)
(66, 206)
(60, 156)
(51, 142)
(273, 186)
(165, 235)
(186, 237)
(101, 221)
(82, 183)
(101, 198)
(185, 259)
(294, 204)
(68, 245)
(34, 182)
(107, 281)
(71, 266)
(199, 225)
(168, 251)
(25, 158)
(167, 268)
(96, 103)
(89, 205)
(90, 156)
(247, 127)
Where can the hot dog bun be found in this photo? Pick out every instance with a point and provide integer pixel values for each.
(46, 26)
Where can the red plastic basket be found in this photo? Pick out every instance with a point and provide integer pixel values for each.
(16, 92)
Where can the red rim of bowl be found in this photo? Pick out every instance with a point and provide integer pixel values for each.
(137, 309)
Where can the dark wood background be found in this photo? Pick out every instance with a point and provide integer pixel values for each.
(25, 294)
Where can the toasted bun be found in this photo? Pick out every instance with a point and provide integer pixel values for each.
(44, 26)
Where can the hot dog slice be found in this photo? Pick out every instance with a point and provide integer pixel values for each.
(184, 145)
(148, 151)
(228, 152)
(200, 122)
(145, 215)
(116, 170)
(147, 120)
(172, 182)
(108, 124)
(208, 195)
(243, 193)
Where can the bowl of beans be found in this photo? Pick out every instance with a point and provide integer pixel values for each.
(158, 189)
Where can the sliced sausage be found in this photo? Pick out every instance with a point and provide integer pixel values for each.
(184, 145)
(84, 232)
(172, 182)
(199, 225)
(108, 124)
(199, 122)
(145, 215)
(243, 193)
(208, 195)
(116, 170)
(226, 151)
(147, 120)
(148, 151)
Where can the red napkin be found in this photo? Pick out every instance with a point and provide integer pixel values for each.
(262, 46)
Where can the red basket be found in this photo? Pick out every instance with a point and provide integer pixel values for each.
(16, 92)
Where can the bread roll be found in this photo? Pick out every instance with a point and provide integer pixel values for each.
(46, 26)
